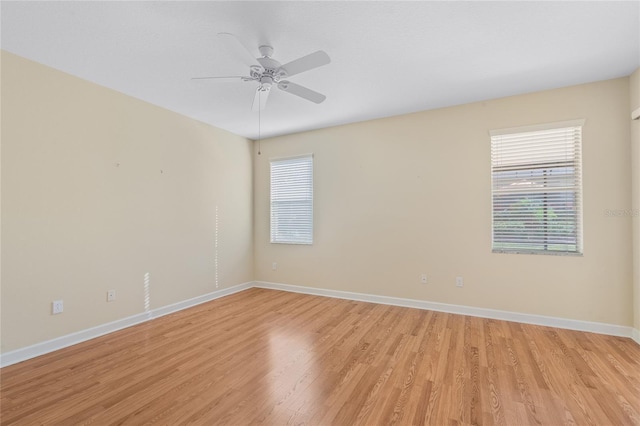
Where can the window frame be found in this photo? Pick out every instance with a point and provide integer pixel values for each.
(276, 237)
(532, 167)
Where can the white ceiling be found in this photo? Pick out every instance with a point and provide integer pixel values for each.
(388, 58)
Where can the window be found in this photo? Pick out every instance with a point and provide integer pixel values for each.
(536, 184)
(292, 200)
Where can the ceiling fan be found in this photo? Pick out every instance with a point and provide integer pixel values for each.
(269, 72)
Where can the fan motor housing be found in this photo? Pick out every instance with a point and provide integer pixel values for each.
(269, 63)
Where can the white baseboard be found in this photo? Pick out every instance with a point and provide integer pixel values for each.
(593, 327)
(42, 348)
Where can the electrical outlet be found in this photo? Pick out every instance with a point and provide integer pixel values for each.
(274, 266)
(423, 278)
(459, 282)
(57, 307)
(111, 295)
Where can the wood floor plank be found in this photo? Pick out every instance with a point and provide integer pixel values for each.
(276, 358)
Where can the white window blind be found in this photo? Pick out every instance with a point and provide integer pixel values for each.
(536, 179)
(292, 200)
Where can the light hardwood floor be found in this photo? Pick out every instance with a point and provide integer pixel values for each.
(271, 357)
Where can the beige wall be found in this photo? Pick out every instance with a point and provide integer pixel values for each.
(98, 189)
(634, 91)
(1, 56)
(402, 196)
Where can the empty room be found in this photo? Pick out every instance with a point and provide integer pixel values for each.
(320, 213)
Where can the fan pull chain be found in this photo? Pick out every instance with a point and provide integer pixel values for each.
(259, 104)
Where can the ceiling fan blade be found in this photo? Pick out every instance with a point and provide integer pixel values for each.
(236, 48)
(260, 99)
(226, 77)
(301, 91)
(306, 63)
